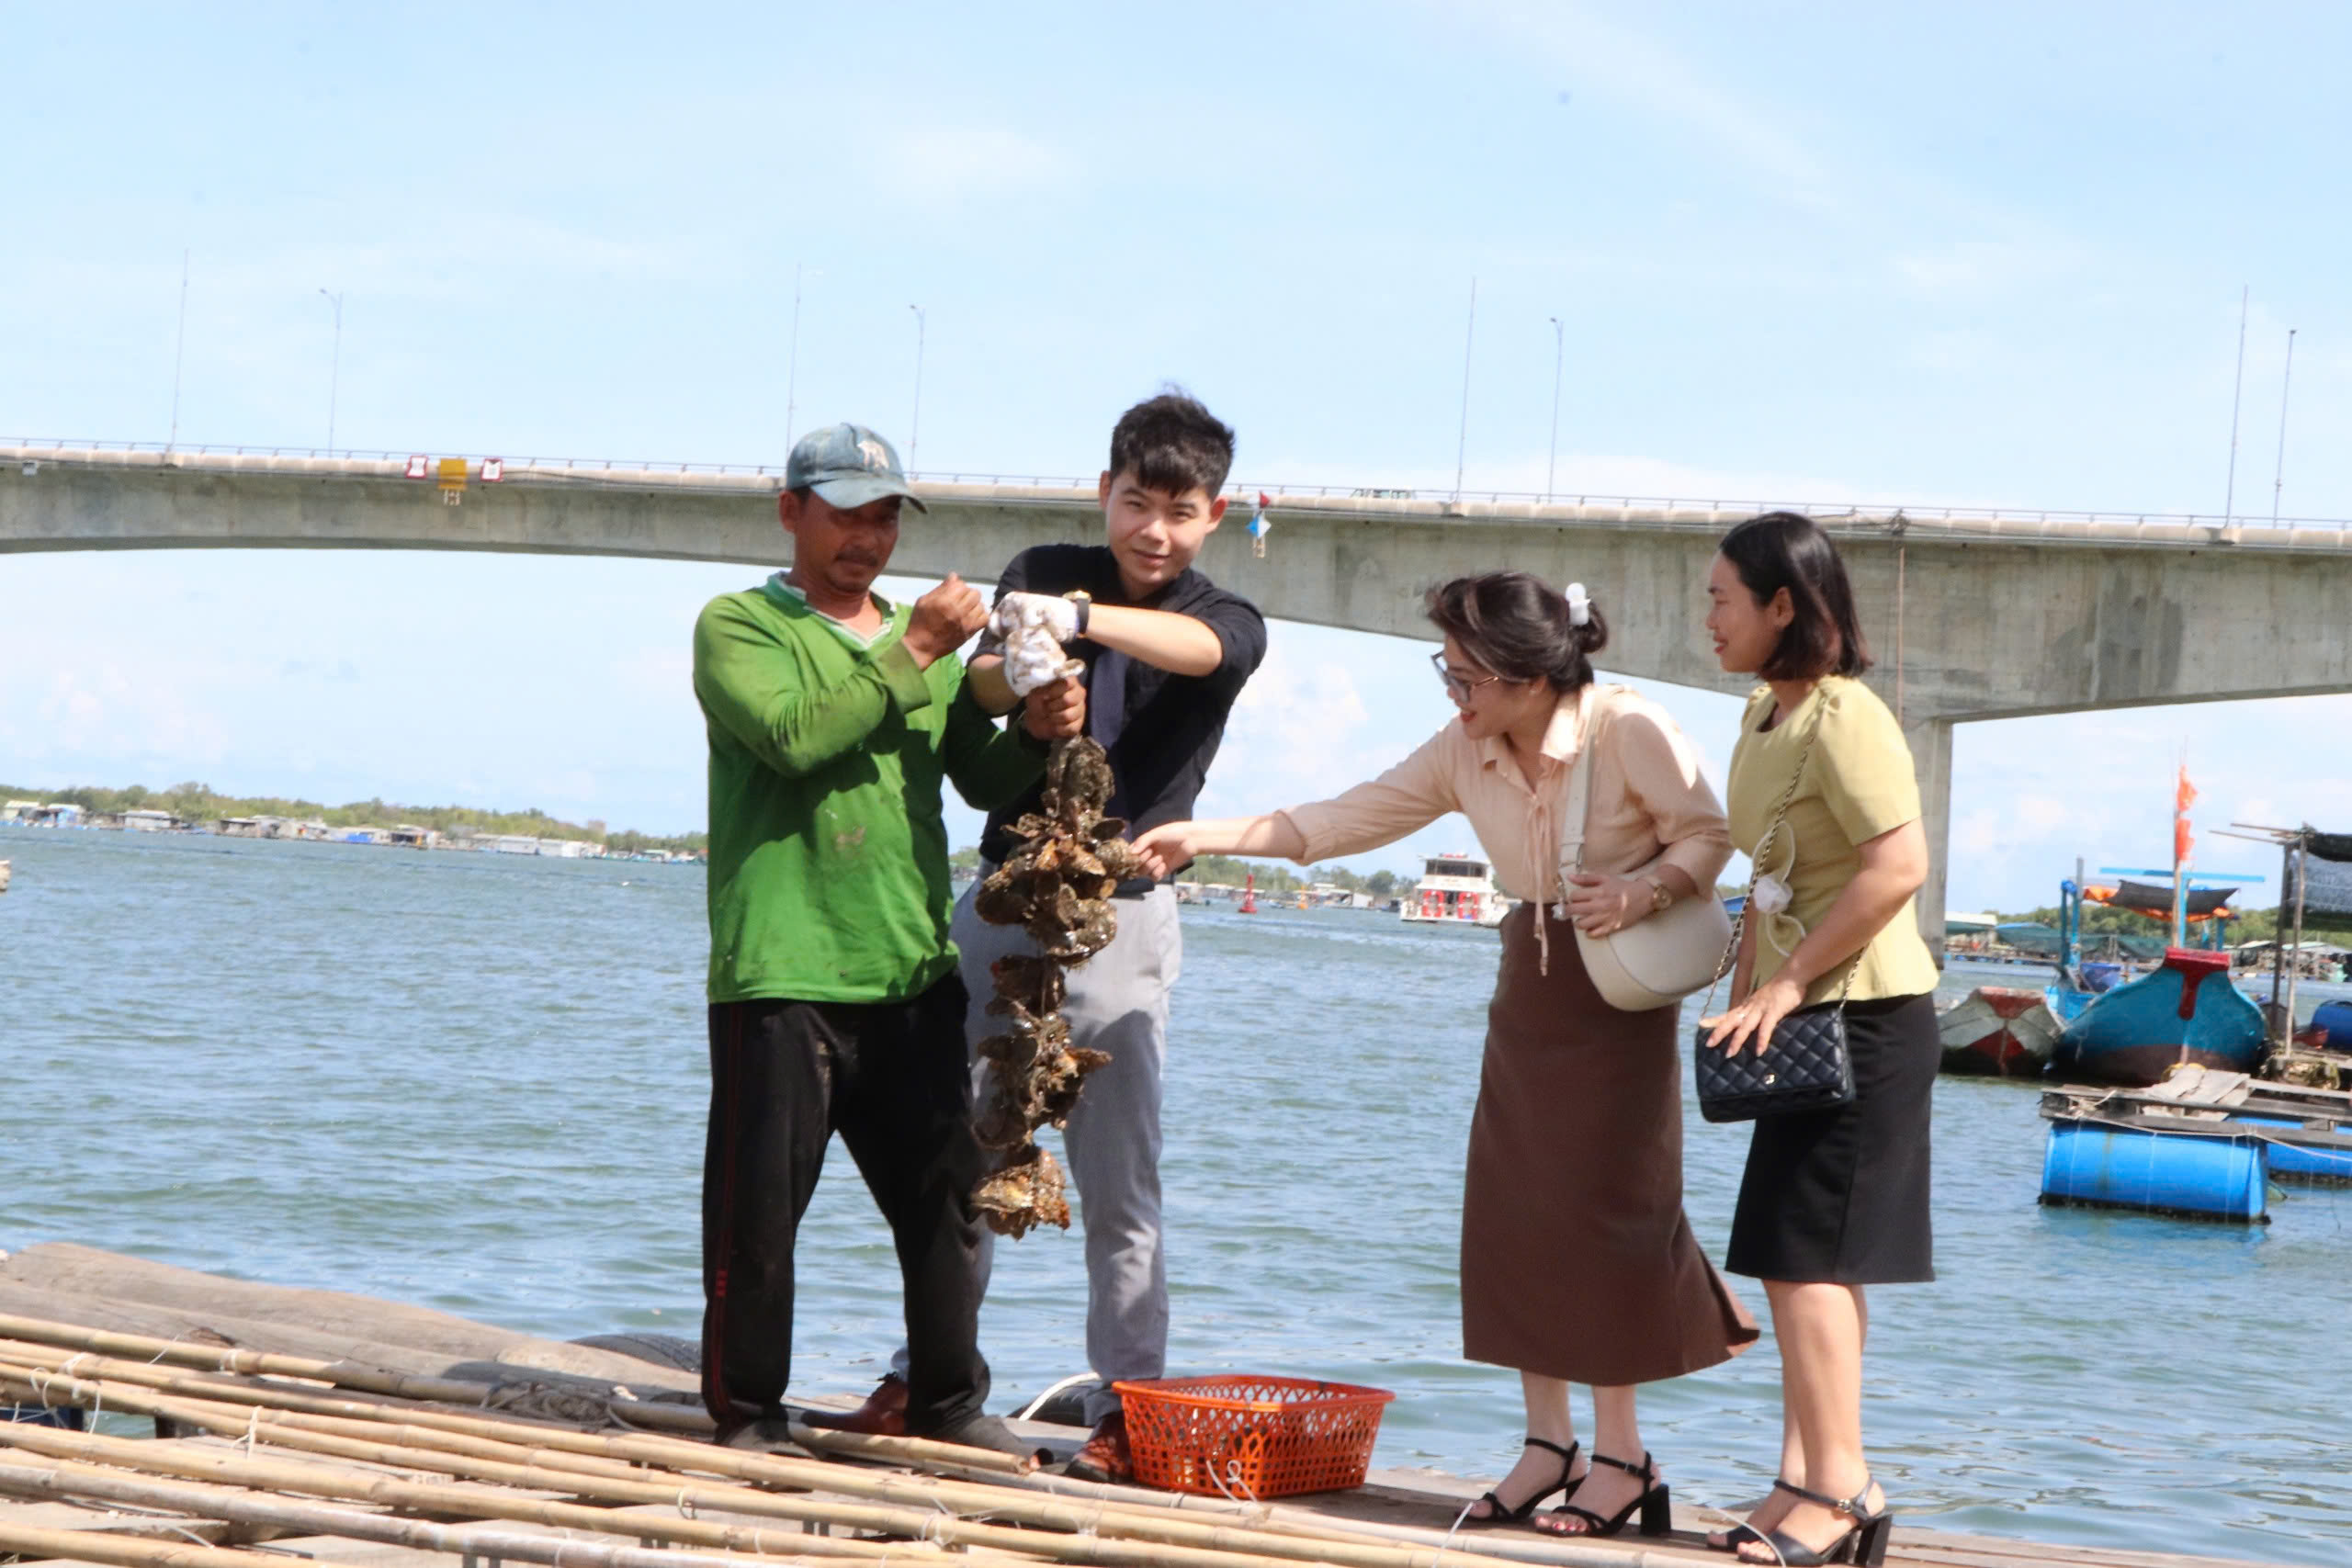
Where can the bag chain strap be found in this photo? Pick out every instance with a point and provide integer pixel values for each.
(1756, 869)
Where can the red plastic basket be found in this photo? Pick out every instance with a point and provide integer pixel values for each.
(1250, 1436)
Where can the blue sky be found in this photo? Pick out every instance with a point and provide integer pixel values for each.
(1972, 255)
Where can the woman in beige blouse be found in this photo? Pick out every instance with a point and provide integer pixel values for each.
(1578, 1265)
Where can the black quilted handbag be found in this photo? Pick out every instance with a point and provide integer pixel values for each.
(1804, 1066)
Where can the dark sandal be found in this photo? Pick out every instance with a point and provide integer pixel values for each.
(1501, 1513)
(1865, 1543)
(1654, 1505)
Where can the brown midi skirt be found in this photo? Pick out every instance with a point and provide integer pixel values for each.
(1577, 1259)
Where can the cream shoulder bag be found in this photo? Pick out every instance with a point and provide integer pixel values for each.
(1656, 961)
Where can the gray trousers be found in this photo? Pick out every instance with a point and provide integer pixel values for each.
(1117, 1003)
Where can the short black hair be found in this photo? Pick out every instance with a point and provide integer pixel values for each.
(1518, 626)
(1173, 443)
(1788, 549)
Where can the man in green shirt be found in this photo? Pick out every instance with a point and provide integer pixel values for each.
(835, 1006)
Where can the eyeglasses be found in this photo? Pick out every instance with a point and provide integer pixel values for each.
(1456, 687)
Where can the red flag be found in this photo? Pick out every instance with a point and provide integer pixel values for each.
(2183, 799)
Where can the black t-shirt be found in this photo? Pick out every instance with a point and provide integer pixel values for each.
(1165, 727)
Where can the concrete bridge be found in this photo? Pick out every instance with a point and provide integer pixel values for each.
(1998, 616)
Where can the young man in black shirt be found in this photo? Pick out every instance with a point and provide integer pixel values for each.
(1167, 651)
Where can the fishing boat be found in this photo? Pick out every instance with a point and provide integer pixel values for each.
(2000, 1032)
(1456, 890)
(2187, 1010)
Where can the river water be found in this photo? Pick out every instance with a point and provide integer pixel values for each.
(479, 1082)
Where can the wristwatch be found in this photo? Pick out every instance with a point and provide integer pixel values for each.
(1661, 895)
(1085, 602)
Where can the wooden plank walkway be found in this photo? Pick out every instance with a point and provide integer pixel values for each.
(370, 1435)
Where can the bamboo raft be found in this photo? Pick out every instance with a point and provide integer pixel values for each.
(354, 1432)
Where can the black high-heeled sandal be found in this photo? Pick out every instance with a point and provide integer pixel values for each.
(1865, 1543)
(1654, 1505)
(1502, 1513)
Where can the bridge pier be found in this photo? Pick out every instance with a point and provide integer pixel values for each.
(1931, 742)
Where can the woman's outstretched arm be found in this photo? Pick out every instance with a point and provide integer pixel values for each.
(1412, 795)
(1171, 845)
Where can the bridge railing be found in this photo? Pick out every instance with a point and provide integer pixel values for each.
(1696, 509)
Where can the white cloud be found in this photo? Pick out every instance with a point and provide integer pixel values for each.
(1612, 62)
(945, 164)
(1963, 266)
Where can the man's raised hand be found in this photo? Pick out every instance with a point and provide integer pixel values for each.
(1056, 617)
(1055, 710)
(943, 619)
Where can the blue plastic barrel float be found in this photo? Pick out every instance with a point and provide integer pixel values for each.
(2200, 1176)
(2335, 1018)
(2289, 1161)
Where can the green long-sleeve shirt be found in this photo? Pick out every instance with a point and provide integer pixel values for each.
(828, 852)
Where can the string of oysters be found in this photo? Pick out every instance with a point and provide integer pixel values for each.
(1056, 885)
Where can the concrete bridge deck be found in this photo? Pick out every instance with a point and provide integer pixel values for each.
(1972, 615)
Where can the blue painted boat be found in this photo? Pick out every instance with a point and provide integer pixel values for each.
(2184, 1010)
(2215, 1176)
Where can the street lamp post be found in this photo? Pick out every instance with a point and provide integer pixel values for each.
(335, 366)
(1462, 439)
(792, 362)
(914, 425)
(2237, 395)
(1559, 353)
(2279, 476)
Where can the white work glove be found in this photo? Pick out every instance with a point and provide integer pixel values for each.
(1056, 617)
(1033, 627)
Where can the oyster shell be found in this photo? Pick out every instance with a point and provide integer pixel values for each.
(1055, 884)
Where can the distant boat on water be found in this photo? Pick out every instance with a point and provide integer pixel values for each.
(1999, 1031)
(2185, 1011)
(1456, 890)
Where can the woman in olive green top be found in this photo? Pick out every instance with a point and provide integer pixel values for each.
(1831, 1201)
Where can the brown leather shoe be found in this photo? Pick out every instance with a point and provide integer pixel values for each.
(1105, 1456)
(884, 1414)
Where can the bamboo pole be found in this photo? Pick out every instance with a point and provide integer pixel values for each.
(231, 1359)
(588, 1475)
(389, 1491)
(916, 1451)
(124, 1550)
(1236, 1550)
(199, 1501)
(627, 1456)
(634, 1448)
(658, 1415)
(1519, 1547)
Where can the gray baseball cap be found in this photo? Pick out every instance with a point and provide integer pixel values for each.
(848, 464)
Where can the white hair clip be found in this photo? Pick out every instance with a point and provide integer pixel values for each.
(1579, 607)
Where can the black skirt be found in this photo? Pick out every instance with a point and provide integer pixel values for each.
(1841, 1197)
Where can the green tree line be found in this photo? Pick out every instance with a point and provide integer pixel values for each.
(202, 804)
(2245, 925)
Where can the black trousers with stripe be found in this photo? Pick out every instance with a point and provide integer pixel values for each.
(892, 1078)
